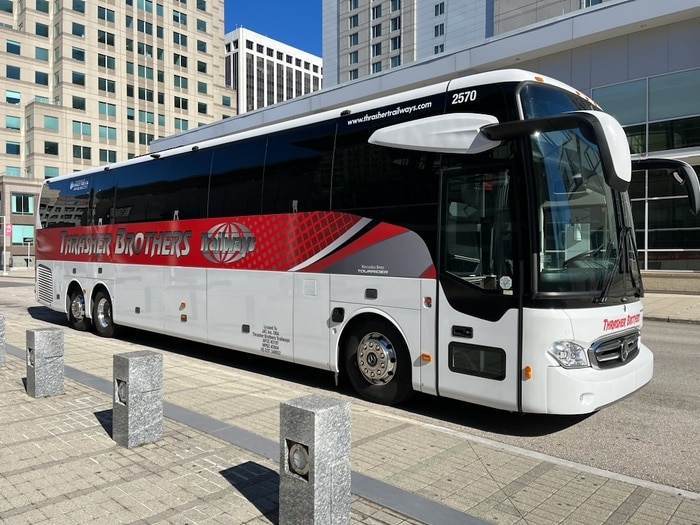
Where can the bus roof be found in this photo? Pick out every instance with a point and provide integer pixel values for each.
(240, 128)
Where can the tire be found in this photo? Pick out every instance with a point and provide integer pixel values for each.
(76, 311)
(102, 314)
(377, 363)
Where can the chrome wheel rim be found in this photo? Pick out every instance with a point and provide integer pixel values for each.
(376, 358)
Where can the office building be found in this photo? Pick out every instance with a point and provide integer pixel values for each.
(86, 83)
(264, 71)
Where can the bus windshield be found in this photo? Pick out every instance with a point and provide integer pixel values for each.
(586, 242)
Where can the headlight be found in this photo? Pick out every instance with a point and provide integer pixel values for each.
(568, 354)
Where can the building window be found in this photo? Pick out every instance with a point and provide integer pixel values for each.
(377, 31)
(105, 61)
(202, 108)
(180, 60)
(352, 4)
(105, 14)
(376, 49)
(201, 25)
(79, 6)
(146, 94)
(353, 74)
(396, 61)
(82, 152)
(181, 103)
(13, 171)
(79, 103)
(179, 39)
(201, 87)
(50, 122)
(23, 204)
(78, 54)
(376, 67)
(104, 37)
(439, 30)
(201, 46)
(440, 9)
(13, 47)
(12, 72)
(440, 48)
(108, 155)
(353, 39)
(395, 43)
(395, 5)
(146, 116)
(107, 109)
(376, 11)
(108, 132)
(41, 78)
(353, 58)
(82, 128)
(180, 82)
(6, 6)
(78, 78)
(12, 97)
(180, 18)
(396, 23)
(11, 147)
(12, 122)
(50, 147)
(78, 30)
(353, 21)
(42, 30)
(181, 124)
(50, 172)
(226, 101)
(41, 53)
(201, 66)
(202, 5)
(106, 85)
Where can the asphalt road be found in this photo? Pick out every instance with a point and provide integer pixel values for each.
(651, 435)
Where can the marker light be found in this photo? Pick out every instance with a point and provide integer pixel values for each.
(426, 357)
(527, 372)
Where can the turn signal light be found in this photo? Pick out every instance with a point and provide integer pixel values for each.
(527, 372)
(426, 357)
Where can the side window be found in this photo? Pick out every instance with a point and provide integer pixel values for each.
(136, 186)
(183, 194)
(298, 169)
(66, 203)
(235, 187)
(104, 186)
(477, 225)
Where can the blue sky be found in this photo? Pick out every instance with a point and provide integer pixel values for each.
(293, 22)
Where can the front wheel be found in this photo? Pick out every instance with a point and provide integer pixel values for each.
(102, 314)
(76, 311)
(377, 363)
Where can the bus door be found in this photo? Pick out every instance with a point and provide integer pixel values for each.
(478, 321)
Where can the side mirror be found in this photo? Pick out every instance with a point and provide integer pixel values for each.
(596, 126)
(682, 172)
(448, 133)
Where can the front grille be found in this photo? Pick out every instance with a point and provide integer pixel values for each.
(615, 351)
(44, 284)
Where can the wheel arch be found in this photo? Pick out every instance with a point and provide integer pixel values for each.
(74, 285)
(357, 318)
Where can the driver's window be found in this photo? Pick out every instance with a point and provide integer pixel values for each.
(477, 228)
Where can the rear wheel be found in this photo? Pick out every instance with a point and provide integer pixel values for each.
(76, 311)
(102, 314)
(377, 362)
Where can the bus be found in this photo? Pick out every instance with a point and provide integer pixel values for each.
(471, 239)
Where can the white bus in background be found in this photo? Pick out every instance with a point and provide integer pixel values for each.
(472, 239)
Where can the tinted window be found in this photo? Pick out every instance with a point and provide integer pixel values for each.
(236, 178)
(65, 203)
(185, 190)
(136, 189)
(104, 185)
(298, 169)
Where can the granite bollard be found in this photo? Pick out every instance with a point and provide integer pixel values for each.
(137, 408)
(315, 468)
(45, 362)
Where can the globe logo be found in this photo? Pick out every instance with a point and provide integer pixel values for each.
(227, 242)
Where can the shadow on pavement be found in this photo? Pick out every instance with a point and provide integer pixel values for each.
(258, 484)
(448, 410)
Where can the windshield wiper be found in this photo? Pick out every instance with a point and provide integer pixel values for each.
(621, 247)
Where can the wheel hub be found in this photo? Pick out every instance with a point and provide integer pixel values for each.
(376, 359)
(77, 307)
(103, 313)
